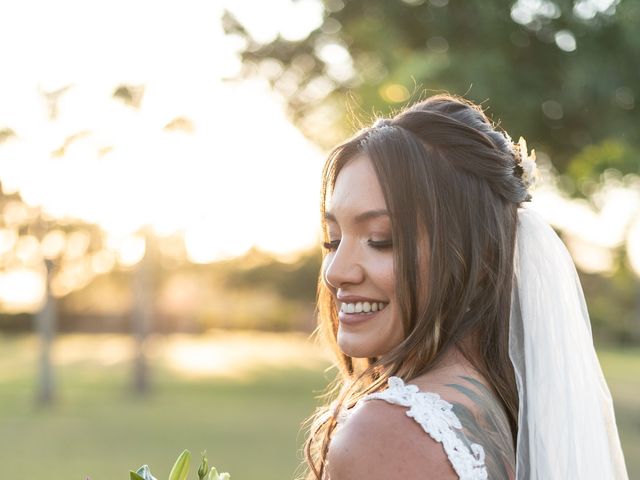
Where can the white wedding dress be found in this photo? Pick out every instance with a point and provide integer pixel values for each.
(437, 419)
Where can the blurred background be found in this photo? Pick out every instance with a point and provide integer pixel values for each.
(159, 228)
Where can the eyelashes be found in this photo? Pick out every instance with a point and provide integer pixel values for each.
(331, 245)
(377, 244)
(380, 245)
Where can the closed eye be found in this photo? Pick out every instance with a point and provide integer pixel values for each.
(333, 245)
(381, 244)
(377, 244)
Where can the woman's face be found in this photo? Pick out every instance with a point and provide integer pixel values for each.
(358, 268)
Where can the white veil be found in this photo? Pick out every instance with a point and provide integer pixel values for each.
(567, 428)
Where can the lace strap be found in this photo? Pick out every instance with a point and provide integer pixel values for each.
(436, 417)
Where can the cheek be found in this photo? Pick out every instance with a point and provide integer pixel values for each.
(385, 276)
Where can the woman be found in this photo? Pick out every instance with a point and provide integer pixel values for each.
(437, 321)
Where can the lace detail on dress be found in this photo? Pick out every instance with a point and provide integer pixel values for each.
(436, 418)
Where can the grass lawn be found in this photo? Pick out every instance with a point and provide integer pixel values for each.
(622, 371)
(248, 419)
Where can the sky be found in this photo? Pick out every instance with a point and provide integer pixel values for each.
(243, 177)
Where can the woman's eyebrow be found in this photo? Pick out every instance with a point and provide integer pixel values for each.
(361, 217)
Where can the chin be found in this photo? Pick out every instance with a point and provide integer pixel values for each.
(360, 349)
(357, 353)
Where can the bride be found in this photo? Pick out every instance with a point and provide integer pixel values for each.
(455, 313)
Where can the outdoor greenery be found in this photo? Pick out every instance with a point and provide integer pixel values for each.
(250, 425)
(560, 72)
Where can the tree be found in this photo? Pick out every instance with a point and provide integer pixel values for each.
(67, 253)
(36, 245)
(562, 72)
(143, 313)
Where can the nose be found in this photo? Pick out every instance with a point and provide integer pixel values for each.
(342, 267)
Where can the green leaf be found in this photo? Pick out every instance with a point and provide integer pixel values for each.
(180, 469)
(204, 467)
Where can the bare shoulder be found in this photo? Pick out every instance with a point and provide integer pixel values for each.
(482, 416)
(379, 441)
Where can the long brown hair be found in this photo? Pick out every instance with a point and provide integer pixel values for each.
(443, 166)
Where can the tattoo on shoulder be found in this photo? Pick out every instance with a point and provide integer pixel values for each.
(487, 424)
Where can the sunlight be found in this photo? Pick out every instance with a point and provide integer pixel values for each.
(574, 216)
(238, 177)
(103, 261)
(129, 250)
(591, 235)
(27, 251)
(53, 243)
(215, 162)
(633, 246)
(22, 290)
(216, 353)
(239, 353)
(293, 20)
(8, 239)
(205, 243)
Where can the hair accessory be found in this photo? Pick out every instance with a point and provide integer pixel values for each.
(379, 125)
(527, 162)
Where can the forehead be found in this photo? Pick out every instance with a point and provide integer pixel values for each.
(356, 189)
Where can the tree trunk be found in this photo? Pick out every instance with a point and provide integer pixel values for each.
(46, 320)
(142, 317)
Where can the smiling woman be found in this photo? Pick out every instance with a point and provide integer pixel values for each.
(359, 248)
(430, 276)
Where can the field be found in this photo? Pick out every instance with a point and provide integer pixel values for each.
(242, 397)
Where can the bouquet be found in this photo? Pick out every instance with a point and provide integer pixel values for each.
(180, 470)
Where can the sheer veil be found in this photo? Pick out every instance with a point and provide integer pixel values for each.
(567, 427)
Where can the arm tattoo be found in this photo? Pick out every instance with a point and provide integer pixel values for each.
(486, 425)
